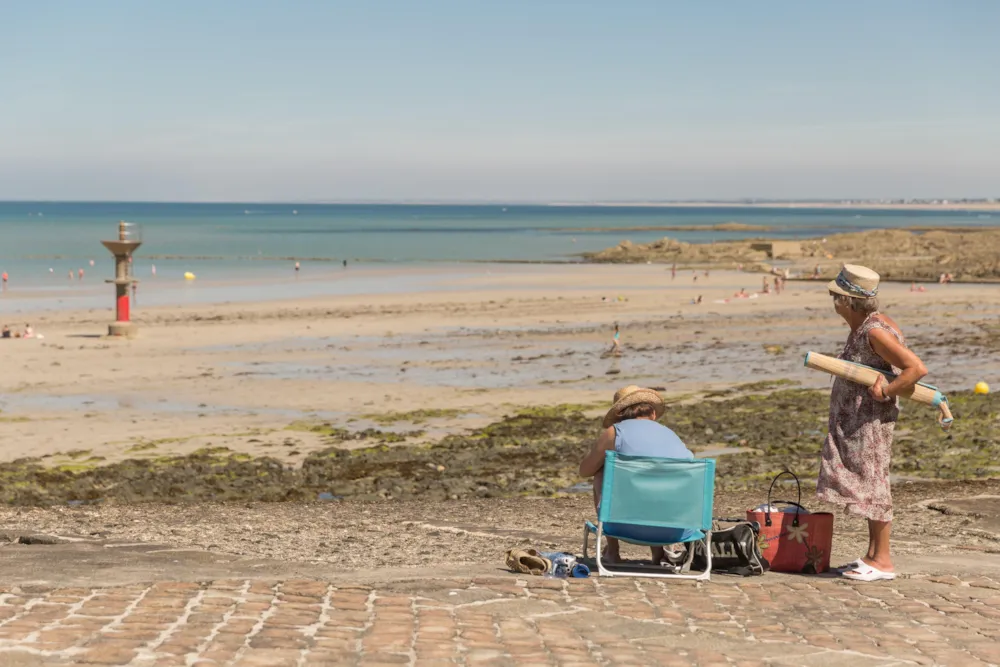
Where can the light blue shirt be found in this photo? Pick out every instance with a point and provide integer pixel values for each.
(645, 437)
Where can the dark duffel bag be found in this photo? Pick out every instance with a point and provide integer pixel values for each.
(735, 550)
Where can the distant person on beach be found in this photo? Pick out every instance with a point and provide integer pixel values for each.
(28, 331)
(673, 271)
(71, 274)
(135, 293)
(854, 469)
(153, 269)
(5, 280)
(630, 427)
(816, 273)
(616, 348)
(345, 263)
(80, 274)
(296, 268)
(767, 286)
(6, 332)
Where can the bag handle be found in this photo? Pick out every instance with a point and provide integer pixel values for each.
(797, 504)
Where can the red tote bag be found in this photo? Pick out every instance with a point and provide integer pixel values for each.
(796, 541)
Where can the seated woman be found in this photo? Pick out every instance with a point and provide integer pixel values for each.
(630, 427)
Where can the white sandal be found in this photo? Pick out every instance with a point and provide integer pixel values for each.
(866, 572)
(853, 565)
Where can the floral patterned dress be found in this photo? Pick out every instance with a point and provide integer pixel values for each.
(855, 468)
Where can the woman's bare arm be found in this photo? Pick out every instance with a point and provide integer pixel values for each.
(887, 347)
(594, 460)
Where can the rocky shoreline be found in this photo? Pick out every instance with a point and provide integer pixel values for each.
(969, 255)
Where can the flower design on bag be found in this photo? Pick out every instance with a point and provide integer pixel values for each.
(814, 555)
(798, 533)
(762, 542)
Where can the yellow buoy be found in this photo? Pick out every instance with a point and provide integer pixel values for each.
(189, 276)
(982, 388)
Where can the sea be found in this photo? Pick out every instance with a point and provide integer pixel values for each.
(247, 250)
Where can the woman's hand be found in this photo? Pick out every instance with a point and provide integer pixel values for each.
(877, 390)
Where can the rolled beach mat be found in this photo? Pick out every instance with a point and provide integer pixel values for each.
(868, 376)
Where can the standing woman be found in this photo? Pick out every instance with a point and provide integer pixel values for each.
(854, 470)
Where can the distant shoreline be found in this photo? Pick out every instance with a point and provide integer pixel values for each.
(984, 206)
(852, 205)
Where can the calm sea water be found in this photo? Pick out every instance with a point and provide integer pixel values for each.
(240, 242)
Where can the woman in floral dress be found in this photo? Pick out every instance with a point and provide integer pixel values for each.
(855, 468)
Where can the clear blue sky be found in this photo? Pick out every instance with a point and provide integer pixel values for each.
(503, 100)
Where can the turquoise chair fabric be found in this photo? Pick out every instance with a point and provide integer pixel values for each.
(650, 500)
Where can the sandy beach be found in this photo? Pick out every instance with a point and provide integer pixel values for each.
(240, 375)
(416, 437)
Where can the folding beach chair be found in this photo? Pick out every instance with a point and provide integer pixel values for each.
(655, 502)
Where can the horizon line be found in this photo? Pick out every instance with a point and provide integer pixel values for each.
(532, 202)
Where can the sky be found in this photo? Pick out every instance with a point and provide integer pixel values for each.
(511, 100)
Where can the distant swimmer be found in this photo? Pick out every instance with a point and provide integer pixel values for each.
(296, 267)
(673, 271)
(71, 274)
(51, 270)
(79, 274)
(153, 269)
(92, 261)
(4, 279)
(345, 263)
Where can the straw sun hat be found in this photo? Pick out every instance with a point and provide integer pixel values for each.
(858, 282)
(631, 395)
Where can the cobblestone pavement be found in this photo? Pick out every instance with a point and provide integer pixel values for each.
(506, 620)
